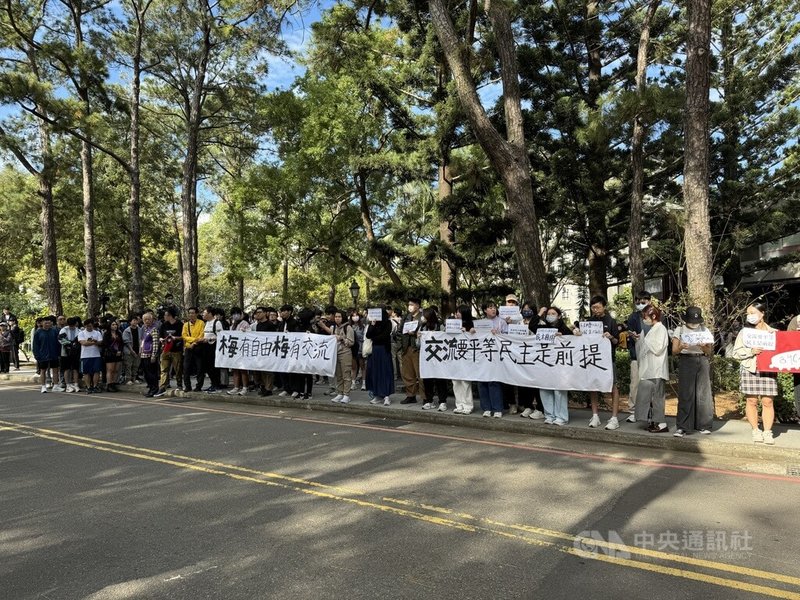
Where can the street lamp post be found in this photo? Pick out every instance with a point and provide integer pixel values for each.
(354, 291)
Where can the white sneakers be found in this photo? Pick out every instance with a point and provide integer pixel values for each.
(757, 435)
(594, 421)
(537, 415)
(487, 413)
(337, 398)
(375, 401)
(768, 440)
(44, 389)
(613, 423)
(548, 421)
(631, 418)
(234, 391)
(559, 422)
(497, 415)
(427, 406)
(526, 413)
(442, 407)
(387, 401)
(345, 400)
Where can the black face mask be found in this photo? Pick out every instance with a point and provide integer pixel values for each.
(527, 314)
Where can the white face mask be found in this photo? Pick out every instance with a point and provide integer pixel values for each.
(753, 319)
(639, 307)
(551, 318)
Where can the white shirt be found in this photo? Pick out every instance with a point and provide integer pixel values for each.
(90, 351)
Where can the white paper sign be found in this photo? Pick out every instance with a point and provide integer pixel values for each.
(452, 325)
(483, 325)
(283, 352)
(410, 326)
(509, 311)
(755, 338)
(591, 327)
(697, 338)
(570, 363)
(374, 314)
(518, 329)
(546, 335)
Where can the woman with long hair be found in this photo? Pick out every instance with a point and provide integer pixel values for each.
(380, 374)
(755, 385)
(113, 347)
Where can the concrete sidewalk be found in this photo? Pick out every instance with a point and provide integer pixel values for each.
(729, 438)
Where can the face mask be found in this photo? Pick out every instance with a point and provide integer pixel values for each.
(639, 307)
(753, 319)
(354, 319)
(647, 322)
(551, 318)
(527, 314)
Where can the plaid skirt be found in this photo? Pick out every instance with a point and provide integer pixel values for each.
(758, 384)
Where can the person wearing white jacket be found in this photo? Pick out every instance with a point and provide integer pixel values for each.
(651, 353)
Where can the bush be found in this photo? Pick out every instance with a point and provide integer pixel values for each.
(622, 364)
(724, 374)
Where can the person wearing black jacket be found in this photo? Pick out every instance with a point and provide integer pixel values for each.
(170, 338)
(611, 333)
(289, 323)
(554, 402)
(380, 374)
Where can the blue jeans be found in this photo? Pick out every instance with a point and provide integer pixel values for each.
(491, 394)
(555, 404)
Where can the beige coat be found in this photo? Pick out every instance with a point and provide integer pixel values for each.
(651, 353)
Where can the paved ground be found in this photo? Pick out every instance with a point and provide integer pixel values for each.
(730, 437)
(116, 496)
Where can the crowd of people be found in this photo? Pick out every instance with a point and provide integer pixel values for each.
(167, 348)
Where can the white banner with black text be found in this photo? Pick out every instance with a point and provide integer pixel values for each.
(280, 352)
(570, 362)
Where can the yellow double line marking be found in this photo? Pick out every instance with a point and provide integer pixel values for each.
(556, 540)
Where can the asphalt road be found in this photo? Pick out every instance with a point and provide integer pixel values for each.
(112, 496)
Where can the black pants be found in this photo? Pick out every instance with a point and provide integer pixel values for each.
(209, 351)
(152, 371)
(5, 360)
(529, 398)
(437, 385)
(15, 355)
(193, 365)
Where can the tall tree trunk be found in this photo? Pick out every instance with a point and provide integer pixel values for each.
(90, 255)
(82, 89)
(366, 219)
(596, 231)
(191, 291)
(52, 278)
(285, 289)
(508, 156)
(637, 157)
(697, 237)
(332, 295)
(178, 251)
(134, 201)
(446, 275)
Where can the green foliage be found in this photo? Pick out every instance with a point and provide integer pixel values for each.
(724, 374)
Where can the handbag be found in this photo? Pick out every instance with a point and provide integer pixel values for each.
(366, 345)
